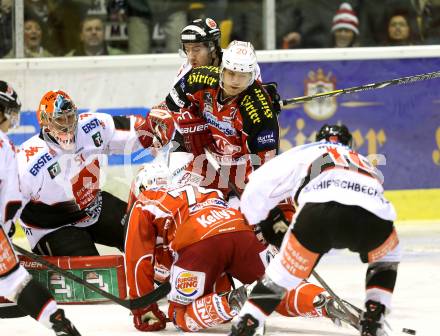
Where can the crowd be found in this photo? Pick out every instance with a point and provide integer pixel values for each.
(63, 28)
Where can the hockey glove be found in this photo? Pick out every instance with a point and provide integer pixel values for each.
(274, 227)
(150, 318)
(157, 128)
(196, 134)
(271, 89)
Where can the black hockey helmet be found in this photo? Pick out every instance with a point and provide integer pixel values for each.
(335, 133)
(10, 104)
(202, 30)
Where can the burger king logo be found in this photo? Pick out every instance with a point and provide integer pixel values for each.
(187, 284)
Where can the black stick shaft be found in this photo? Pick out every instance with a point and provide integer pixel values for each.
(142, 301)
(372, 86)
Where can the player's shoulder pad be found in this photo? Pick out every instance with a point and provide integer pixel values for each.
(90, 121)
(200, 78)
(255, 104)
(34, 155)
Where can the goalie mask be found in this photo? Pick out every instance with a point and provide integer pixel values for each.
(58, 118)
(239, 57)
(336, 134)
(152, 175)
(9, 104)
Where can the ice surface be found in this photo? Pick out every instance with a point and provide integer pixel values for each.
(416, 300)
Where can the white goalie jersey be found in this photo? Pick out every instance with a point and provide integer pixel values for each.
(63, 188)
(316, 173)
(10, 196)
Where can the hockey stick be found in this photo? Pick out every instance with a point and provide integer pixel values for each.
(143, 301)
(372, 86)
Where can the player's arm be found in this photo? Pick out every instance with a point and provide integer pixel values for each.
(130, 133)
(260, 124)
(269, 184)
(10, 195)
(139, 264)
(184, 101)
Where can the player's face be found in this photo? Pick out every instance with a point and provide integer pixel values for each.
(92, 33)
(235, 82)
(198, 54)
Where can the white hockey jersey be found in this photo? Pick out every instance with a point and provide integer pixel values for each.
(63, 188)
(10, 196)
(316, 173)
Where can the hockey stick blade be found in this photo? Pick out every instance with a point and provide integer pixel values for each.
(143, 301)
(366, 87)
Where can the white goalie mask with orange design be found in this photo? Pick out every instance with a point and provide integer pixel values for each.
(58, 118)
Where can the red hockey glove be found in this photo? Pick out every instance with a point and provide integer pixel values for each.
(149, 319)
(196, 135)
(157, 129)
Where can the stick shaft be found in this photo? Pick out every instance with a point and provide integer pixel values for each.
(142, 301)
(366, 87)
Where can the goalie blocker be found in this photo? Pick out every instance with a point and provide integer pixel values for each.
(105, 272)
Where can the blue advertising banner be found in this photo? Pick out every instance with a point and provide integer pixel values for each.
(402, 122)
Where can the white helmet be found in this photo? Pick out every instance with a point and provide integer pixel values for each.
(151, 175)
(239, 56)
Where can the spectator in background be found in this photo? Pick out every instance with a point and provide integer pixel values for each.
(137, 14)
(92, 39)
(345, 27)
(423, 18)
(246, 19)
(307, 23)
(398, 30)
(33, 35)
(5, 27)
(139, 22)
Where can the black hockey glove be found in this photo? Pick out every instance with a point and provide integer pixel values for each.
(271, 89)
(274, 227)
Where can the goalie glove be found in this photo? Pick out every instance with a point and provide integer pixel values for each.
(150, 318)
(274, 227)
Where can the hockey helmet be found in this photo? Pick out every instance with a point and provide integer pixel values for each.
(57, 115)
(335, 133)
(10, 104)
(240, 56)
(202, 30)
(151, 175)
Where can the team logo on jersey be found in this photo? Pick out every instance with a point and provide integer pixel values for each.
(54, 170)
(187, 283)
(97, 139)
(318, 82)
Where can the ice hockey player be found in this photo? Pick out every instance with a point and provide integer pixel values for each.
(340, 195)
(195, 232)
(16, 284)
(60, 172)
(225, 110)
(201, 46)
